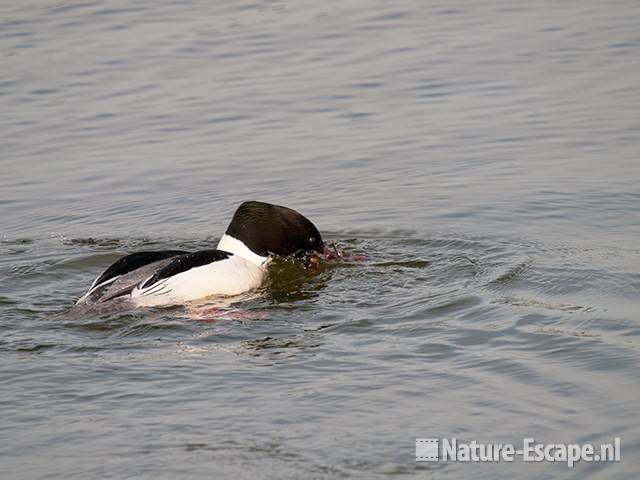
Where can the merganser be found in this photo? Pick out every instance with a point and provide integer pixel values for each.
(257, 232)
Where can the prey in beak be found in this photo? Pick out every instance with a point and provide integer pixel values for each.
(330, 252)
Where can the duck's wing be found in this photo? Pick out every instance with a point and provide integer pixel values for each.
(184, 262)
(198, 275)
(126, 273)
(159, 283)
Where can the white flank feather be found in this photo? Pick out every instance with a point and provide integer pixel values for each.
(232, 276)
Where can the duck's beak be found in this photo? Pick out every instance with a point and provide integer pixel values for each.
(329, 253)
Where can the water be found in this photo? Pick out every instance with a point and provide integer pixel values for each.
(483, 156)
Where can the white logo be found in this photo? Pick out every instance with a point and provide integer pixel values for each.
(428, 450)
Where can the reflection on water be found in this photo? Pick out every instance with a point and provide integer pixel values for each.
(484, 158)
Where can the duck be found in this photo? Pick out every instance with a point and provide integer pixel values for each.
(257, 233)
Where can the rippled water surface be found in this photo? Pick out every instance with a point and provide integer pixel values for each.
(484, 156)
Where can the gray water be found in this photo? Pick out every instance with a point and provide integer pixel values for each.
(483, 155)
